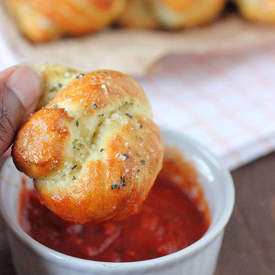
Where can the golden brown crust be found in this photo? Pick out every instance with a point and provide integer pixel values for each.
(138, 14)
(42, 20)
(40, 143)
(258, 11)
(170, 14)
(93, 150)
(176, 14)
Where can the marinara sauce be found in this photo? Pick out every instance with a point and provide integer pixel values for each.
(174, 216)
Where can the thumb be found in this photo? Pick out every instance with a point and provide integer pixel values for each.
(20, 89)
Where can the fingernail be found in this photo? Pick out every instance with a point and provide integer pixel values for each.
(26, 83)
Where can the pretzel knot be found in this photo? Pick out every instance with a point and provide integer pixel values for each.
(93, 150)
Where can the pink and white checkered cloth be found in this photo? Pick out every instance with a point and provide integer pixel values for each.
(226, 102)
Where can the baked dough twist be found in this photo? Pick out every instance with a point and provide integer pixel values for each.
(258, 10)
(94, 151)
(170, 14)
(44, 20)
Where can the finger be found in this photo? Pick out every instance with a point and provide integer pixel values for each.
(20, 89)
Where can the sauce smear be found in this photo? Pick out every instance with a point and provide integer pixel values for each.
(174, 215)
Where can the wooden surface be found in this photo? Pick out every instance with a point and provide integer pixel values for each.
(249, 244)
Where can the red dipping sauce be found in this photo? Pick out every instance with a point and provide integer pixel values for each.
(174, 216)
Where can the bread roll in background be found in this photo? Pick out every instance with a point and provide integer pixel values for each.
(138, 14)
(93, 151)
(177, 14)
(45, 20)
(169, 14)
(258, 10)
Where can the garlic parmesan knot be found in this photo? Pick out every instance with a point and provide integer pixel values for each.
(45, 20)
(93, 150)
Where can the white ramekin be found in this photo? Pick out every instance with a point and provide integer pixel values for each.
(31, 258)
